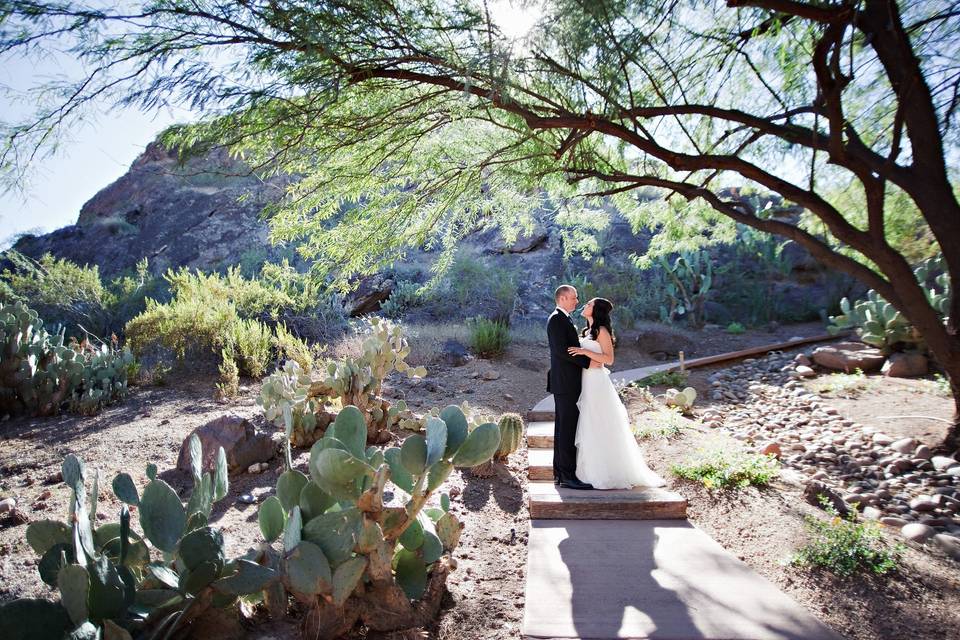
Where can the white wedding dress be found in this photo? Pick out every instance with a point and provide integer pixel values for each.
(608, 456)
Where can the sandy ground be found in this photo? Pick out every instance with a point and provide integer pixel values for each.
(486, 591)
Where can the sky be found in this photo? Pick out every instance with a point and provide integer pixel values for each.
(94, 155)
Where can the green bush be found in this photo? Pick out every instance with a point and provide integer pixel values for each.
(472, 286)
(663, 378)
(736, 328)
(489, 338)
(846, 546)
(76, 296)
(728, 470)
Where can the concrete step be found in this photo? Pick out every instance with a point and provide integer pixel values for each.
(661, 579)
(550, 502)
(540, 464)
(540, 434)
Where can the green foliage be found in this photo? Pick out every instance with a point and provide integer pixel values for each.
(689, 279)
(735, 328)
(488, 338)
(879, 324)
(723, 469)
(227, 315)
(474, 286)
(354, 540)
(663, 378)
(41, 375)
(291, 400)
(846, 546)
(76, 296)
(636, 293)
(107, 580)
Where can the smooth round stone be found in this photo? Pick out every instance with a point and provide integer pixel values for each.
(7, 504)
(904, 446)
(950, 545)
(941, 463)
(923, 451)
(882, 439)
(917, 532)
(246, 498)
(872, 513)
(893, 521)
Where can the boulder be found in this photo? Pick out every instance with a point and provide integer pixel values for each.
(815, 489)
(665, 340)
(455, 354)
(848, 357)
(908, 364)
(916, 532)
(372, 292)
(950, 545)
(239, 439)
(904, 446)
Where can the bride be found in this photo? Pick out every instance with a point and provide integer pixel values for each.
(608, 456)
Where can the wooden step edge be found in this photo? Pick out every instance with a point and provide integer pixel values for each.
(595, 510)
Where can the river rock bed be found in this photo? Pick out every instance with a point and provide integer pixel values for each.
(898, 482)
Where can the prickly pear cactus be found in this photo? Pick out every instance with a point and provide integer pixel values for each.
(511, 433)
(689, 280)
(41, 375)
(351, 553)
(879, 324)
(681, 400)
(108, 584)
(357, 382)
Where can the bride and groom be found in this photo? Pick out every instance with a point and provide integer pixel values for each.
(593, 445)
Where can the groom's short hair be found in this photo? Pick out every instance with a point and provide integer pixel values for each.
(563, 289)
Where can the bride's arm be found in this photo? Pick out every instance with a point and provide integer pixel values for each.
(606, 344)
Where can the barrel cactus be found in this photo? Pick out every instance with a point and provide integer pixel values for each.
(348, 554)
(511, 433)
(108, 585)
(41, 375)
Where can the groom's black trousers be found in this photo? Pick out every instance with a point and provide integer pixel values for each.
(565, 435)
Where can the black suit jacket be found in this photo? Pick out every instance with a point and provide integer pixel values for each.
(565, 370)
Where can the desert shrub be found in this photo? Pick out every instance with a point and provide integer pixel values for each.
(228, 385)
(290, 347)
(253, 343)
(848, 385)
(667, 425)
(488, 338)
(723, 469)
(76, 297)
(846, 546)
(663, 378)
(735, 328)
(473, 286)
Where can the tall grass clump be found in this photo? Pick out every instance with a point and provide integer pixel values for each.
(489, 338)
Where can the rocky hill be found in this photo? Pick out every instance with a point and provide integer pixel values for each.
(205, 213)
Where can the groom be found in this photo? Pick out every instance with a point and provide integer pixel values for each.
(564, 381)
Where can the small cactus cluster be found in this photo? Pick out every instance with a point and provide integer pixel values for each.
(347, 552)
(880, 325)
(681, 400)
(689, 280)
(41, 375)
(351, 381)
(108, 584)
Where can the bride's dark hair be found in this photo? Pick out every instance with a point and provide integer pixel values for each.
(601, 318)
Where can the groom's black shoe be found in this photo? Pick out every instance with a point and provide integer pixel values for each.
(575, 483)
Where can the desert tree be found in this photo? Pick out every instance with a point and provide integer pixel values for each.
(411, 122)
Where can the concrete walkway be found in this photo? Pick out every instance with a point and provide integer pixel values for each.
(628, 564)
(662, 579)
